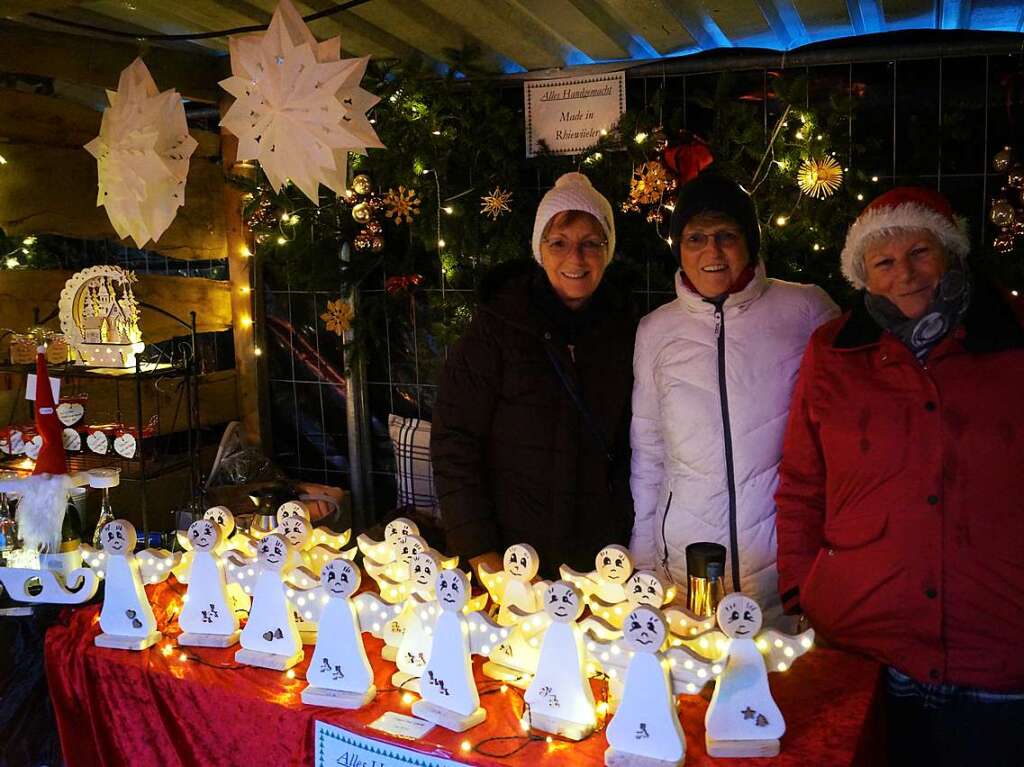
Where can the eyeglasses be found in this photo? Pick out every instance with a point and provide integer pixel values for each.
(559, 246)
(724, 238)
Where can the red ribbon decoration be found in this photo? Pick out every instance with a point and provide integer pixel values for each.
(404, 282)
(687, 156)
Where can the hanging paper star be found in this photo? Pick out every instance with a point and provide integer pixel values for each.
(496, 203)
(401, 202)
(142, 156)
(819, 178)
(298, 106)
(338, 316)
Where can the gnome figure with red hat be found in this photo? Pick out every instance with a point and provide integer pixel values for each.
(44, 495)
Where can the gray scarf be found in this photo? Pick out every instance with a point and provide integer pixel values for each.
(944, 313)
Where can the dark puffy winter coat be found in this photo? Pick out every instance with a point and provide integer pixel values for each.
(514, 459)
(900, 514)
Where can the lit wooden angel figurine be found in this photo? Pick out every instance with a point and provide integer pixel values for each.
(271, 636)
(642, 588)
(383, 552)
(513, 585)
(743, 719)
(339, 673)
(126, 617)
(559, 696)
(448, 691)
(208, 617)
(321, 536)
(606, 583)
(299, 532)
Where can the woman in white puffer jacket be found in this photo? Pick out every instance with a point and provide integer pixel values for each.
(713, 375)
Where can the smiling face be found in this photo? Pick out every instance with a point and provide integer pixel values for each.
(290, 510)
(118, 537)
(423, 571)
(645, 588)
(408, 547)
(204, 535)
(573, 252)
(340, 577)
(521, 561)
(645, 629)
(739, 616)
(563, 602)
(905, 266)
(613, 564)
(399, 528)
(452, 590)
(713, 253)
(222, 516)
(297, 530)
(273, 551)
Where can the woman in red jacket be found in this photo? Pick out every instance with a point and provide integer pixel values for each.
(900, 515)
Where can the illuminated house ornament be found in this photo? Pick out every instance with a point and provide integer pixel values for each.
(298, 106)
(99, 315)
(142, 155)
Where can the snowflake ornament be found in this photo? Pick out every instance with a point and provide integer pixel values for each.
(497, 202)
(142, 156)
(819, 178)
(338, 316)
(401, 202)
(298, 106)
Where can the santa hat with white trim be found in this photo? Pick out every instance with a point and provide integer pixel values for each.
(906, 207)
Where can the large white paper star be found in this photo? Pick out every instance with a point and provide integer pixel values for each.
(142, 155)
(299, 109)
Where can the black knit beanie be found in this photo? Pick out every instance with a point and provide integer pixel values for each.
(711, 193)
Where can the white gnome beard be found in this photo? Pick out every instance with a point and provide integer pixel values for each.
(43, 499)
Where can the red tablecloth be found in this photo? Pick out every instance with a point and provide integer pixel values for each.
(117, 707)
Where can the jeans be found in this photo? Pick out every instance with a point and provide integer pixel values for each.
(949, 726)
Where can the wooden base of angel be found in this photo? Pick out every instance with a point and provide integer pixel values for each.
(189, 639)
(324, 696)
(742, 748)
(117, 642)
(268, 659)
(446, 717)
(613, 758)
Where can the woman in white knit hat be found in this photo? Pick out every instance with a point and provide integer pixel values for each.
(530, 433)
(900, 524)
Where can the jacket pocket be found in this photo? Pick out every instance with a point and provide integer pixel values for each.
(855, 530)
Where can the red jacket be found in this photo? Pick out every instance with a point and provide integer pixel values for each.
(901, 496)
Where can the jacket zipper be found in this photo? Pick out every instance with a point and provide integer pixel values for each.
(730, 473)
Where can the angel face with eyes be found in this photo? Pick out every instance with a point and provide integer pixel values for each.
(340, 577)
(222, 516)
(273, 551)
(452, 590)
(290, 510)
(644, 588)
(521, 561)
(297, 530)
(409, 546)
(118, 537)
(204, 535)
(423, 570)
(399, 528)
(645, 630)
(739, 616)
(614, 564)
(563, 602)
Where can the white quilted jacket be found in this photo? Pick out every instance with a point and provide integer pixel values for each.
(679, 439)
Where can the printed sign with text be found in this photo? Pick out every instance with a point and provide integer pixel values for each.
(570, 115)
(337, 747)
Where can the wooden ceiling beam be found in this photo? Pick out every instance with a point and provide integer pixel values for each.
(95, 61)
(784, 21)
(656, 25)
(589, 41)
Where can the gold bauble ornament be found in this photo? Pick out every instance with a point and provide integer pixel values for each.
(1001, 162)
(361, 212)
(1002, 213)
(361, 184)
(377, 244)
(1015, 178)
(1003, 243)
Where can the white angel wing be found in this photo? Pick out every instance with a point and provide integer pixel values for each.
(711, 644)
(323, 536)
(301, 577)
(484, 634)
(155, 564)
(238, 569)
(493, 581)
(530, 624)
(183, 540)
(320, 554)
(450, 564)
(683, 623)
(94, 558)
(780, 650)
(613, 614)
(183, 569)
(689, 671)
(583, 581)
(374, 613)
(612, 657)
(380, 552)
(308, 603)
(598, 628)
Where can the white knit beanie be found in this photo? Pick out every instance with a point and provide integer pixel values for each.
(573, 191)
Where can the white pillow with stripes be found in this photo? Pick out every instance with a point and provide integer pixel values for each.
(414, 475)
